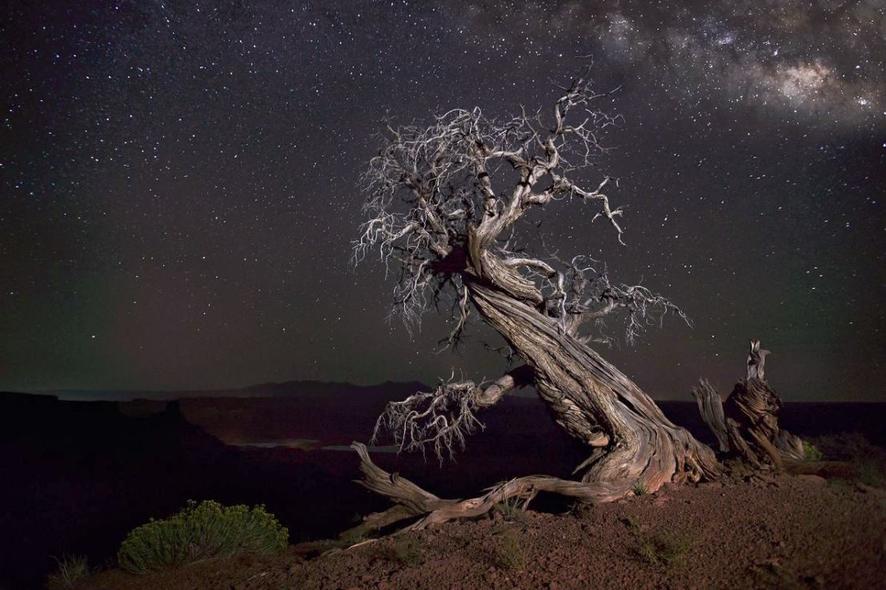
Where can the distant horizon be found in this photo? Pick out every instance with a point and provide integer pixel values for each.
(527, 392)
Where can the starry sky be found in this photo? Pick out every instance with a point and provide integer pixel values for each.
(179, 184)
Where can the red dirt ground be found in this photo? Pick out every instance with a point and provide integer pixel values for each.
(774, 532)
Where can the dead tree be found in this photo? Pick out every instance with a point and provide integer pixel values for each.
(746, 424)
(443, 206)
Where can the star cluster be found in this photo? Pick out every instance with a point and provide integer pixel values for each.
(180, 183)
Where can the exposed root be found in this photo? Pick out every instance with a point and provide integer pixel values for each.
(413, 501)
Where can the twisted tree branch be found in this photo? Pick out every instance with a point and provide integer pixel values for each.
(442, 419)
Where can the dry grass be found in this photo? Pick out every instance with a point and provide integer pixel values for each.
(71, 569)
(507, 550)
(662, 549)
(402, 550)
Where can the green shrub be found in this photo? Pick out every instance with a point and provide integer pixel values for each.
(403, 550)
(640, 489)
(407, 551)
(201, 531)
(870, 472)
(71, 569)
(811, 452)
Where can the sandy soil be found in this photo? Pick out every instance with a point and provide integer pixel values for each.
(774, 532)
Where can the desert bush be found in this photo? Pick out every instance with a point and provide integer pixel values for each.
(640, 489)
(871, 472)
(867, 459)
(351, 537)
(664, 549)
(811, 452)
(507, 552)
(581, 510)
(631, 523)
(402, 550)
(70, 569)
(201, 531)
(846, 446)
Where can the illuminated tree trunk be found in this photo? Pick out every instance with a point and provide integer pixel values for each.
(434, 210)
(633, 444)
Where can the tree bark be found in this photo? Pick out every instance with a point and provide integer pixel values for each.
(710, 406)
(746, 424)
(635, 444)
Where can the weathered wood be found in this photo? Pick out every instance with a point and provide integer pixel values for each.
(752, 419)
(596, 403)
(710, 406)
(414, 501)
(749, 417)
(756, 361)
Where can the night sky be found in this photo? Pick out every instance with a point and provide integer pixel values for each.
(179, 184)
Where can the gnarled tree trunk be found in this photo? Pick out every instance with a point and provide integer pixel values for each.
(453, 230)
(633, 443)
(746, 424)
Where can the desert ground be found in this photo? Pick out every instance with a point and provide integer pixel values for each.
(767, 532)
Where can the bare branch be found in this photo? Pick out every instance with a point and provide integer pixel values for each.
(564, 185)
(432, 206)
(592, 297)
(463, 313)
(443, 418)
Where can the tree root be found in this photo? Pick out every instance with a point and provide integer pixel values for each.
(411, 501)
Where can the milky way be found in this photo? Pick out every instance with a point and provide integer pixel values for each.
(180, 184)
